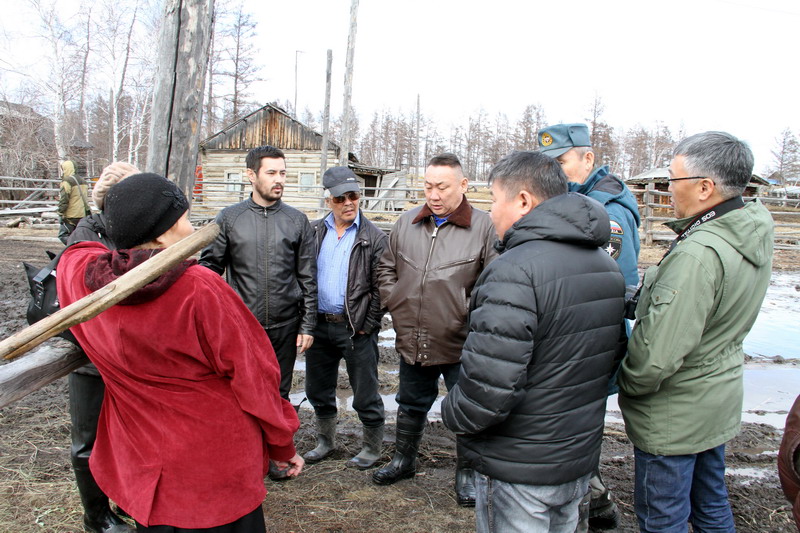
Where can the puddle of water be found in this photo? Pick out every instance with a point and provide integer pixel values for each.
(386, 338)
(753, 474)
(775, 331)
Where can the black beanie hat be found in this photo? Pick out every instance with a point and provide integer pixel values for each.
(142, 207)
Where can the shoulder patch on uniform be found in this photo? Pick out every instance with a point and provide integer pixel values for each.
(616, 228)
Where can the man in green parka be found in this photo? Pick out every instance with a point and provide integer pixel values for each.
(681, 383)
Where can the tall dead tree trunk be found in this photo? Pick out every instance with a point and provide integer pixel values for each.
(347, 112)
(178, 96)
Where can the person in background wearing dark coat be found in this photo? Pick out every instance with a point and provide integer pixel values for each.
(86, 387)
(348, 250)
(530, 401)
(789, 460)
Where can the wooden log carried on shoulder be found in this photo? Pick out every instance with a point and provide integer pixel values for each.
(101, 299)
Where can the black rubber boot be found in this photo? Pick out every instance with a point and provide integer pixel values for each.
(326, 441)
(603, 512)
(371, 450)
(85, 400)
(98, 516)
(465, 481)
(404, 463)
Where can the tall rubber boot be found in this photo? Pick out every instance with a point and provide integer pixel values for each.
(98, 516)
(465, 480)
(326, 440)
(603, 512)
(372, 441)
(85, 400)
(404, 463)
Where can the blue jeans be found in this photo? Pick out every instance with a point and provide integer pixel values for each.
(419, 386)
(671, 490)
(514, 507)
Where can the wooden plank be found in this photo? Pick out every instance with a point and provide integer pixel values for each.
(48, 363)
(101, 299)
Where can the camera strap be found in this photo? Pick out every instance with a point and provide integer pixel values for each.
(731, 204)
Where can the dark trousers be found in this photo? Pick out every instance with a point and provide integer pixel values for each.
(332, 343)
(252, 522)
(85, 400)
(419, 386)
(284, 342)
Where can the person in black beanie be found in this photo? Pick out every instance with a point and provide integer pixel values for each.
(141, 208)
(184, 362)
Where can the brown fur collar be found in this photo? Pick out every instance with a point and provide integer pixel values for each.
(462, 216)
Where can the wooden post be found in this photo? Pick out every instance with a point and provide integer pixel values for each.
(347, 132)
(649, 198)
(326, 122)
(48, 363)
(178, 93)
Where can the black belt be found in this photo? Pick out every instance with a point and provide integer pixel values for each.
(335, 319)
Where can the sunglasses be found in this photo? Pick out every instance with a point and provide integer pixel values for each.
(352, 196)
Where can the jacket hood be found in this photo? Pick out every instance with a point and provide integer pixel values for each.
(606, 188)
(570, 217)
(749, 230)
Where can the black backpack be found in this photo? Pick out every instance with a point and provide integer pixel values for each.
(44, 298)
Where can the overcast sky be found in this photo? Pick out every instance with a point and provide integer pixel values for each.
(694, 65)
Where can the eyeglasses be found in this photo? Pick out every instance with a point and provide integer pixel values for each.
(689, 178)
(352, 196)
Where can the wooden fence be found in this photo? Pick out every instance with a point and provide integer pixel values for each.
(381, 204)
(654, 211)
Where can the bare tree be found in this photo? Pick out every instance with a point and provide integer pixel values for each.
(786, 157)
(532, 120)
(115, 27)
(238, 33)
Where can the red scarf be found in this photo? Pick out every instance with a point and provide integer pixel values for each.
(107, 267)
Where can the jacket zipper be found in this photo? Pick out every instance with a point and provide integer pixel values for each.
(346, 292)
(424, 278)
(266, 269)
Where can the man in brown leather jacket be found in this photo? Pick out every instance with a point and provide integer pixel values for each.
(435, 254)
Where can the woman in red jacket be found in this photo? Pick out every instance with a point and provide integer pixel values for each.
(191, 415)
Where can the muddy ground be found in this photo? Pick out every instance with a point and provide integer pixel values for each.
(37, 491)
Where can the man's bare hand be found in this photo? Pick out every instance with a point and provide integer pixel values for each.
(304, 342)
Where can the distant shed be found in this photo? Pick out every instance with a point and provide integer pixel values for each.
(222, 157)
(660, 176)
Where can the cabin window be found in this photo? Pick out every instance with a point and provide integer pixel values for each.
(307, 181)
(233, 181)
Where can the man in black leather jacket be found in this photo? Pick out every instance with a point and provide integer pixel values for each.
(348, 250)
(266, 249)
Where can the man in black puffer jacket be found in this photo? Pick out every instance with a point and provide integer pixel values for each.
(544, 324)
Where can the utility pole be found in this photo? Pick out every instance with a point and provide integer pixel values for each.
(326, 118)
(347, 133)
(416, 149)
(178, 94)
(296, 53)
